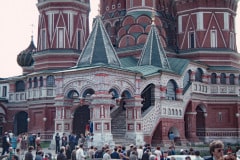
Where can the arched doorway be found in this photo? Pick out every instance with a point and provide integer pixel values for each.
(80, 119)
(20, 124)
(176, 134)
(200, 122)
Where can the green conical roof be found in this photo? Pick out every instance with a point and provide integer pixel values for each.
(153, 52)
(98, 48)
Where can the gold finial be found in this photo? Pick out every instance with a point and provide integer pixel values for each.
(153, 16)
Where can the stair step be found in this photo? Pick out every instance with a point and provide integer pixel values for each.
(118, 126)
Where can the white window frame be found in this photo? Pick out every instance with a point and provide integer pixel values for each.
(180, 24)
(200, 22)
(226, 21)
(232, 41)
(213, 38)
(43, 39)
(60, 37)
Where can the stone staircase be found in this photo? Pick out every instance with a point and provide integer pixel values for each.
(118, 127)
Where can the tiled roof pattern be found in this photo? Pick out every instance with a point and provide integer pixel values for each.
(153, 52)
(98, 48)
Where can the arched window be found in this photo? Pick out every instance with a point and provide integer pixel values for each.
(41, 81)
(35, 82)
(50, 81)
(88, 93)
(73, 94)
(30, 82)
(147, 96)
(187, 79)
(114, 93)
(223, 78)
(231, 79)
(213, 78)
(20, 86)
(198, 75)
(171, 90)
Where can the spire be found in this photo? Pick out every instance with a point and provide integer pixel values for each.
(153, 52)
(98, 48)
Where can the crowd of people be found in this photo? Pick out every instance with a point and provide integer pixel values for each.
(79, 147)
(14, 147)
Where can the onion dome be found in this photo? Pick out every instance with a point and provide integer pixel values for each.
(24, 58)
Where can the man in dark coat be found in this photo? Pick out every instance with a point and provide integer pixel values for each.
(57, 141)
(5, 143)
(29, 155)
(61, 155)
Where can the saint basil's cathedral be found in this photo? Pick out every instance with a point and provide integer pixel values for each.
(147, 68)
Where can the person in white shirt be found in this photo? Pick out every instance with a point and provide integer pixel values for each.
(140, 152)
(106, 155)
(79, 153)
(158, 153)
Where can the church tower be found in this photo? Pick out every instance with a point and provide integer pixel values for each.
(112, 12)
(207, 30)
(63, 29)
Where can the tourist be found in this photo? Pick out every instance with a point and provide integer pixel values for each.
(29, 155)
(115, 154)
(73, 154)
(106, 155)
(140, 152)
(64, 140)
(164, 157)
(216, 149)
(61, 155)
(171, 138)
(158, 152)
(5, 143)
(57, 141)
(197, 156)
(15, 157)
(133, 155)
(14, 143)
(80, 153)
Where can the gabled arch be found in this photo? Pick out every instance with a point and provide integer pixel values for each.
(171, 90)
(50, 81)
(144, 19)
(35, 82)
(223, 78)
(187, 80)
(124, 96)
(114, 92)
(135, 29)
(88, 92)
(72, 94)
(30, 83)
(231, 79)
(213, 78)
(127, 40)
(199, 75)
(128, 20)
